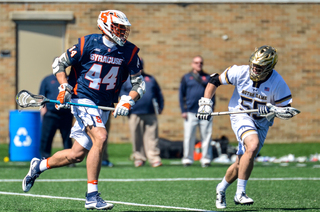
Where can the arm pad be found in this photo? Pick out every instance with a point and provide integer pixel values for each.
(138, 85)
(214, 79)
(60, 63)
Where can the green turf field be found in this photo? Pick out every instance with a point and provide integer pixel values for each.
(172, 187)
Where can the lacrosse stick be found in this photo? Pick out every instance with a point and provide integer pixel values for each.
(233, 112)
(26, 99)
(280, 112)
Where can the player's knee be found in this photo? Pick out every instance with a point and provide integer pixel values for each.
(100, 140)
(252, 146)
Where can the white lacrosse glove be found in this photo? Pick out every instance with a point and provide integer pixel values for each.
(123, 106)
(65, 93)
(205, 109)
(265, 111)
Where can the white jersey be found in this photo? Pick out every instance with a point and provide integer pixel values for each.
(249, 95)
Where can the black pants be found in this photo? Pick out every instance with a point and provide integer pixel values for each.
(50, 124)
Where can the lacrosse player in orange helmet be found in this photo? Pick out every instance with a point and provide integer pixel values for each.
(257, 86)
(101, 63)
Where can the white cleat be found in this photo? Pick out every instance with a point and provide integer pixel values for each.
(243, 199)
(32, 175)
(221, 199)
(94, 201)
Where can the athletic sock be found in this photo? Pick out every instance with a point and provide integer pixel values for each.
(223, 185)
(92, 186)
(44, 165)
(241, 186)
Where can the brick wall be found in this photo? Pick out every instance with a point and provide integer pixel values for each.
(169, 35)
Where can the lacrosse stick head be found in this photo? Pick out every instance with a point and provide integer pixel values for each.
(283, 112)
(288, 113)
(26, 99)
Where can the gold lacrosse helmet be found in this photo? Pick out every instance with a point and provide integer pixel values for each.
(262, 61)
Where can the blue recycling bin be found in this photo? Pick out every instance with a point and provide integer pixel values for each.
(25, 132)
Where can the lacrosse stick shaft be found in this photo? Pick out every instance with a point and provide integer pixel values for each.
(26, 99)
(84, 105)
(233, 112)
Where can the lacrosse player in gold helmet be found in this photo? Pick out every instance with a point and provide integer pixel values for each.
(257, 86)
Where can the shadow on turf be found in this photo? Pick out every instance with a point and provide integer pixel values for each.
(284, 209)
(121, 211)
(191, 211)
(261, 209)
(291, 209)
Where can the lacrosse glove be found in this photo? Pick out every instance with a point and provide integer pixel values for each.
(205, 109)
(267, 111)
(123, 106)
(65, 93)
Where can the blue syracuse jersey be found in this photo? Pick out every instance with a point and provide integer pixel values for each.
(98, 72)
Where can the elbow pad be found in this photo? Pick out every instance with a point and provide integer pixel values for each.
(138, 85)
(60, 63)
(214, 79)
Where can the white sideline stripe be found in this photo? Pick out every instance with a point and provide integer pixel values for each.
(161, 179)
(115, 202)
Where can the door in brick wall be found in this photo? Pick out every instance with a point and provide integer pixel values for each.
(38, 43)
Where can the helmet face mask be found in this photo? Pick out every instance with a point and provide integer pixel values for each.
(115, 25)
(120, 31)
(258, 73)
(262, 62)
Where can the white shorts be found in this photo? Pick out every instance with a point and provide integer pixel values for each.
(86, 116)
(242, 126)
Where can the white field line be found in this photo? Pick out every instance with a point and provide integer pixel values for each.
(115, 202)
(135, 180)
(162, 179)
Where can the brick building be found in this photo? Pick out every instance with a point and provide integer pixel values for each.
(169, 34)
